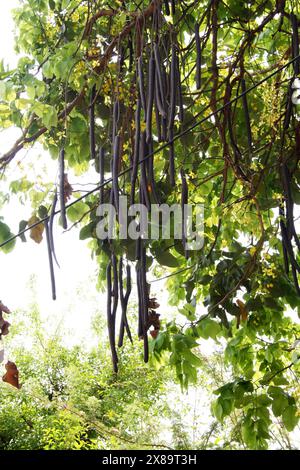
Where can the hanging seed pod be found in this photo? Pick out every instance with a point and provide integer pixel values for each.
(62, 188)
(144, 182)
(198, 58)
(116, 117)
(115, 171)
(247, 116)
(51, 220)
(151, 178)
(137, 139)
(184, 202)
(173, 92)
(124, 302)
(179, 91)
(158, 121)
(131, 52)
(173, 7)
(50, 258)
(141, 84)
(283, 229)
(295, 42)
(110, 320)
(167, 8)
(145, 300)
(287, 185)
(92, 123)
(101, 171)
(159, 86)
(151, 89)
(171, 159)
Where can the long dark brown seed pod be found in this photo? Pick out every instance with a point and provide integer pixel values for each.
(62, 189)
(171, 159)
(198, 57)
(124, 302)
(115, 172)
(158, 120)
(144, 182)
(173, 7)
(179, 90)
(140, 303)
(92, 123)
(184, 202)
(283, 229)
(173, 92)
(101, 171)
(295, 42)
(160, 94)
(135, 162)
(110, 325)
(116, 117)
(145, 300)
(52, 276)
(247, 116)
(287, 183)
(151, 178)
(141, 84)
(167, 8)
(151, 89)
(51, 220)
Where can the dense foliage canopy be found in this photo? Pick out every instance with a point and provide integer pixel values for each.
(176, 102)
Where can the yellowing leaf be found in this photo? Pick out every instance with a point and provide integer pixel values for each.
(36, 233)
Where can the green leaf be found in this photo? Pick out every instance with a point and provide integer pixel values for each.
(165, 258)
(6, 234)
(290, 418)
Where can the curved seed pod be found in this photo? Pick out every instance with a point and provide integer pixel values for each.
(247, 116)
(295, 42)
(124, 302)
(159, 86)
(62, 188)
(171, 159)
(167, 8)
(110, 323)
(52, 276)
(101, 171)
(199, 57)
(173, 92)
(115, 171)
(136, 150)
(141, 83)
(51, 220)
(184, 202)
(92, 123)
(151, 89)
(144, 182)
